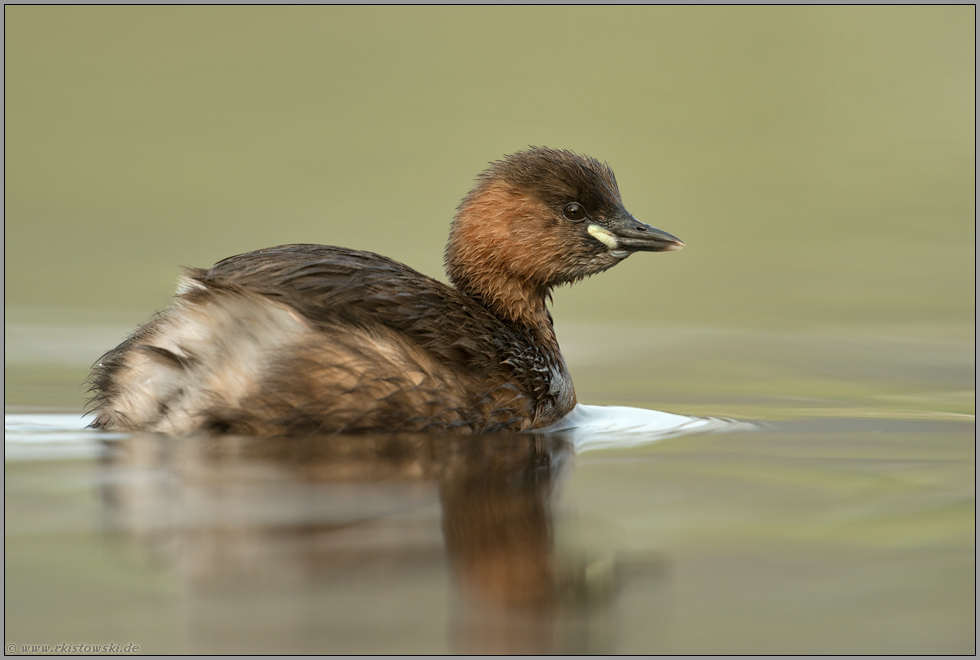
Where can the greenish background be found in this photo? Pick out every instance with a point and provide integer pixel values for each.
(817, 161)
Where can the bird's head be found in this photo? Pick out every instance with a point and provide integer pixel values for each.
(537, 219)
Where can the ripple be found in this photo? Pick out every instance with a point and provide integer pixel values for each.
(32, 437)
(612, 427)
(64, 436)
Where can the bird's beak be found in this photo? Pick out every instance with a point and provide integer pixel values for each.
(626, 233)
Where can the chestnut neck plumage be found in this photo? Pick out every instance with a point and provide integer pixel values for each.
(499, 255)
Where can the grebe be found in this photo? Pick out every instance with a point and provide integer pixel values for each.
(306, 339)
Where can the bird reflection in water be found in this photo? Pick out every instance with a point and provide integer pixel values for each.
(302, 522)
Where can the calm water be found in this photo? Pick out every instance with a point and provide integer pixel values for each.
(820, 526)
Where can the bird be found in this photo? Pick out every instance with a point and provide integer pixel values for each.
(309, 339)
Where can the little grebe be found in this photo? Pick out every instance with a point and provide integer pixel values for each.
(319, 339)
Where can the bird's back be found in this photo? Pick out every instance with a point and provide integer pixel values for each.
(310, 338)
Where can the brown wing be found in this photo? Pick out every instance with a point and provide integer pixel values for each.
(331, 285)
(370, 345)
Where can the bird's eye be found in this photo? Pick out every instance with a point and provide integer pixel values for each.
(574, 212)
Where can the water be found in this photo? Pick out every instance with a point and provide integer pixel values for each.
(63, 436)
(621, 531)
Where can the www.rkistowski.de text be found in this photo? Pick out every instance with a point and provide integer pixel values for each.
(72, 648)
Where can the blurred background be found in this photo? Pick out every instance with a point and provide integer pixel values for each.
(817, 161)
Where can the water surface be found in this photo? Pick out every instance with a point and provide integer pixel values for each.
(620, 531)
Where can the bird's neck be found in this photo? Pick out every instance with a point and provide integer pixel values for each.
(494, 257)
(511, 300)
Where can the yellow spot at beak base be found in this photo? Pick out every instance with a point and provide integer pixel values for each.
(604, 236)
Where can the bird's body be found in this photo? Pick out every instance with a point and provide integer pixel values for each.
(319, 339)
